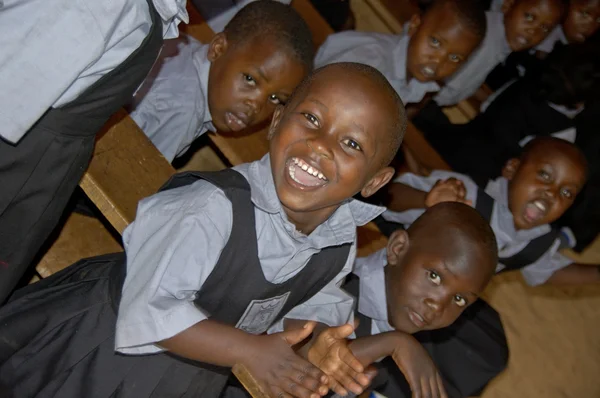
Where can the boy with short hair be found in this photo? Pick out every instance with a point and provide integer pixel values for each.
(582, 20)
(197, 285)
(435, 46)
(535, 190)
(232, 84)
(432, 273)
(521, 25)
(66, 67)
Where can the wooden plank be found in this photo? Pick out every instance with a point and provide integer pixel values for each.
(81, 237)
(374, 16)
(125, 168)
(248, 381)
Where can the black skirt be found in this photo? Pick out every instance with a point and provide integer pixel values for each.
(57, 339)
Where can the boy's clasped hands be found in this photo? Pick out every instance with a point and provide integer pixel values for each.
(307, 360)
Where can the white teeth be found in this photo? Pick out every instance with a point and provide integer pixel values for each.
(309, 169)
(539, 205)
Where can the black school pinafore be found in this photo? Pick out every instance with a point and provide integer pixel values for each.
(57, 336)
(39, 174)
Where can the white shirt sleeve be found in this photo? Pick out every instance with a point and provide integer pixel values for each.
(170, 107)
(44, 46)
(331, 306)
(425, 184)
(539, 272)
(172, 247)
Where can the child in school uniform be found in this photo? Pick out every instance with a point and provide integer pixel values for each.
(581, 21)
(434, 47)
(522, 25)
(232, 84)
(535, 190)
(559, 98)
(66, 67)
(210, 266)
(428, 276)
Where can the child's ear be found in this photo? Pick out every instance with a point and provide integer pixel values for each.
(217, 47)
(275, 121)
(414, 23)
(510, 168)
(397, 247)
(381, 178)
(507, 5)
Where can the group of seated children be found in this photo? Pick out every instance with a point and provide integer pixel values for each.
(256, 265)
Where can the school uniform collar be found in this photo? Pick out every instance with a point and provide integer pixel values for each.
(400, 53)
(372, 299)
(498, 190)
(172, 12)
(569, 113)
(340, 228)
(202, 64)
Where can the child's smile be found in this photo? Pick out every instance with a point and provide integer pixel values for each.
(305, 173)
(329, 143)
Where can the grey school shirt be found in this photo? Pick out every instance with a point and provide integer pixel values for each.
(385, 52)
(177, 238)
(171, 107)
(510, 241)
(472, 74)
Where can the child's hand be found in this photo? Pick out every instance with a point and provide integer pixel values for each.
(280, 371)
(450, 190)
(331, 354)
(418, 368)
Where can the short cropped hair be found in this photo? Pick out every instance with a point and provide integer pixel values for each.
(470, 13)
(569, 75)
(458, 220)
(279, 22)
(541, 144)
(398, 128)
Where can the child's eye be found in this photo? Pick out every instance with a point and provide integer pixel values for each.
(434, 277)
(352, 144)
(275, 100)
(585, 14)
(454, 58)
(528, 17)
(460, 301)
(566, 193)
(434, 42)
(545, 29)
(544, 175)
(249, 79)
(312, 119)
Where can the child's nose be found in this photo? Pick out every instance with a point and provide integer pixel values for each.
(320, 146)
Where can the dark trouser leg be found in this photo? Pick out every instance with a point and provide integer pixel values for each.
(468, 354)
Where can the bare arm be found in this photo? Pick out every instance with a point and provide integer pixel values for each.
(403, 197)
(211, 342)
(369, 349)
(576, 274)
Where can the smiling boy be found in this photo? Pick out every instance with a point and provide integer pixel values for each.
(435, 46)
(197, 285)
(232, 84)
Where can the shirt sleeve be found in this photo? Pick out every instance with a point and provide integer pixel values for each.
(170, 107)
(331, 306)
(425, 184)
(540, 271)
(45, 47)
(172, 247)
